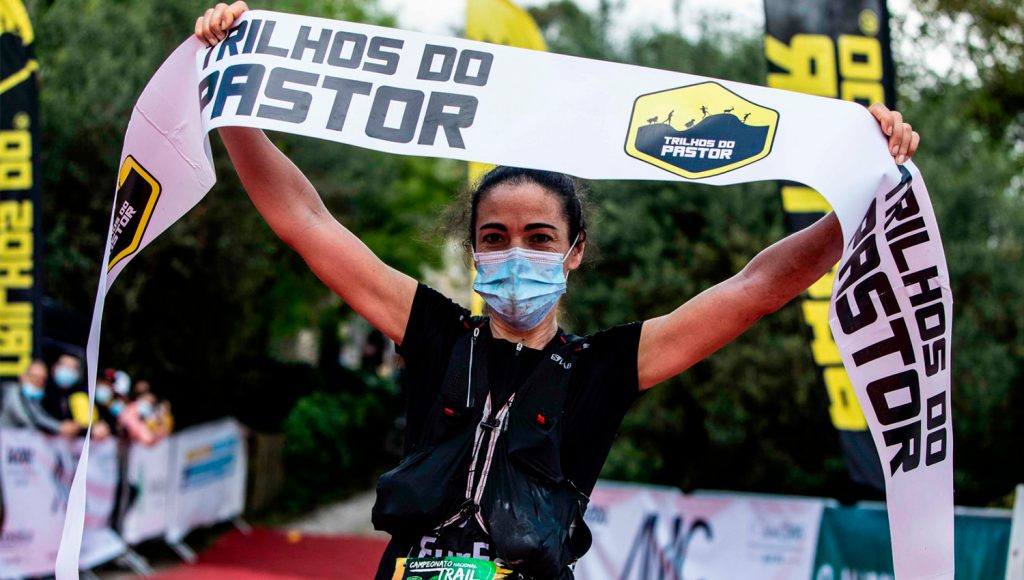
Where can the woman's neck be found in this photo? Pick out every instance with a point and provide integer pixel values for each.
(536, 338)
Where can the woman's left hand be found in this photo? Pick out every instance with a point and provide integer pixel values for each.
(903, 139)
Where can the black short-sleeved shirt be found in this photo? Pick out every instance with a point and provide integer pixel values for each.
(602, 387)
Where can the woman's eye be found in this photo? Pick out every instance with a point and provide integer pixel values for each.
(542, 239)
(491, 238)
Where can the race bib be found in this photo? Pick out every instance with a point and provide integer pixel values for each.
(451, 568)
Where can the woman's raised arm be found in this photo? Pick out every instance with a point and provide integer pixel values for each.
(672, 343)
(293, 209)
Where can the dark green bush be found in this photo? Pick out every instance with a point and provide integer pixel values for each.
(335, 442)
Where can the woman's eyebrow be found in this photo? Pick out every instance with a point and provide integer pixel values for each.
(537, 226)
(494, 226)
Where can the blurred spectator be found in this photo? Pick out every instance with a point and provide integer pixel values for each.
(108, 402)
(141, 388)
(23, 404)
(122, 383)
(68, 399)
(147, 420)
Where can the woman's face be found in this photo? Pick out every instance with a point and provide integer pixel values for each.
(524, 216)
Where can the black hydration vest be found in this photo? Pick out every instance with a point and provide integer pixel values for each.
(531, 512)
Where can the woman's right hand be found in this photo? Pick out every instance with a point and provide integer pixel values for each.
(213, 26)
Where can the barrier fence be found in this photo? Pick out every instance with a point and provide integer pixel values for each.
(197, 477)
(194, 478)
(647, 533)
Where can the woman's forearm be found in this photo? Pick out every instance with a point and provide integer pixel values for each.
(281, 193)
(788, 267)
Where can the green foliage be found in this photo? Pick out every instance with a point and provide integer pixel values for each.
(335, 442)
(219, 286)
(993, 40)
(976, 190)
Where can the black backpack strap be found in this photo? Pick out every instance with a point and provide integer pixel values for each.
(544, 392)
(464, 386)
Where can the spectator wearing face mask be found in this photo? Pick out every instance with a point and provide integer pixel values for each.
(68, 399)
(141, 420)
(108, 402)
(23, 404)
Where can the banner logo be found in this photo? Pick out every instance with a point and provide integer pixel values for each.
(700, 131)
(137, 193)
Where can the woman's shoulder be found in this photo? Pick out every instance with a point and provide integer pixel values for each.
(625, 336)
(435, 304)
(435, 319)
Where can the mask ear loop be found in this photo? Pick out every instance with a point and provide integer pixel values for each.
(566, 256)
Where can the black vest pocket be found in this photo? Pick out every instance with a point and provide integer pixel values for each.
(535, 444)
(425, 489)
(529, 521)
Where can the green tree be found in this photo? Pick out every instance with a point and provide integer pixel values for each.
(993, 39)
(218, 285)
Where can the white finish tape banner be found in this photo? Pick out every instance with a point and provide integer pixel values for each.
(415, 94)
(644, 532)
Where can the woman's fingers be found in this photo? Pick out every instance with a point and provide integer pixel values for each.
(217, 20)
(213, 26)
(208, 35)
(908, 134)
(883, 115)
(897, 133)
(903, 140)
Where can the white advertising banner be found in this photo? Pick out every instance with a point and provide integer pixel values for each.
(649, 533)
(208, 479)
(149, 487)
(34, 495)
(100, 542)
(416, 94)
(36, 475)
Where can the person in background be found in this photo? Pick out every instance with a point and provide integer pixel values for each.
(143, 420)
(109, 402)
(141, 388)
(68, 399)
(23, 404)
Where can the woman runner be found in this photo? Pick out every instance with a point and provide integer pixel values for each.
(509, 419)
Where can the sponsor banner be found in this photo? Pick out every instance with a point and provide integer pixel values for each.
(854, 543)
(1015, 555)
(34, 491)
(148, 492)
(838, 49)
(647, 533)
(36, 477)
(417, 94)
(208, 479)
(100, 543)
(20, 237)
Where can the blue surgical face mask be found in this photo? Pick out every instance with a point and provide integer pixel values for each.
(520, 286)
(103, 394)
(145, 409)
(65, 377)
(31, 391)
(115, 408)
